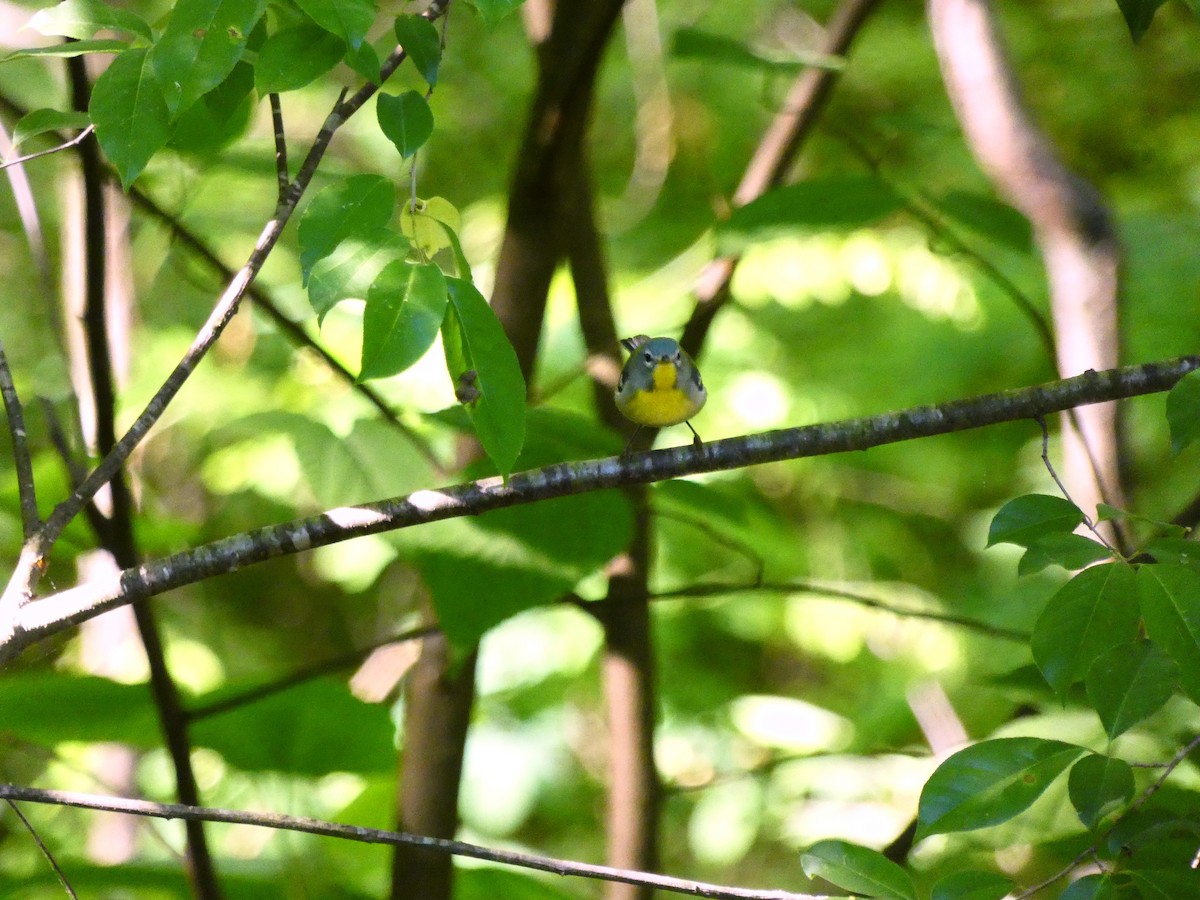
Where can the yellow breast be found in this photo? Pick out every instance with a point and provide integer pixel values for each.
(663, 404)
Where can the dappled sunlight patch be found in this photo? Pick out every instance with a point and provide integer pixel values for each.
(353, 565)
(787, 723)
(534, 646)
(266, 464)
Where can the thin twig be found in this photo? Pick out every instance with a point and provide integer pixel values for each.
(1134, 806)
(1088, 522)
(822, 590)
(324, 828)
(62, 878)
(58, 148)
(281, 161)
(20, 441)
(35, 621)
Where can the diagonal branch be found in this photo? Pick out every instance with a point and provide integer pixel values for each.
(24, 579)
(307, 825)
(20, 442)
(35, 621)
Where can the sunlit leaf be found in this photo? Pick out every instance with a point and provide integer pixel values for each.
(857, 869)
(1089, 615)
(1129, 683)
(81, 19)
(405, 308)
(131, 117)
(1069, 550)
(1098, 785)
(217, 118)
(42, 120)
(433, 225)
(1170, 603)
(405, 120)
(72, 48)
(989, 217)
(475, 341)
(359, 206)
(1183, 410)
(348, 19)
(990, 782)
(350, 270)
(493, 11)
(202, 42)
(693, 43)
(1023, 520)
(294, 57)
(33, 703)
(838, 202)
(420, 39)
(972, 886)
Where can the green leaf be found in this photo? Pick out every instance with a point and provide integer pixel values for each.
(1138, 15)
(405, 120)
(42, 120)
(693, 43)
(70, 49)
(1183, 410)
(350, 270)
(374, 460)
(1129, 683)
(292, 729)
(972, 886)
(475, 341)
(433, 226)
(490, 883)
(203, 41)
(857, 869)
(1178, 550)
(32, 706)
(988, 217)
(295, 57)
(1170, 601)
(131, 117)
(364, 60)
(848, 201)
(1098, 785)
(348, 19)
(358, 207)
(1089, 615)
(990, 782)
(1071, 551)
(217, 118)
(81, 19)
(1166, 884)
(1106, 513)
(420, 39)
(493, 11)
(405, 308)
(1090, 887)
(1025, 519)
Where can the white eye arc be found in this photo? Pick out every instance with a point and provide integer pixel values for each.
(678, 358)
(648, 356)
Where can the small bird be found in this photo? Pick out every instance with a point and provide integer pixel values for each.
(660, 385)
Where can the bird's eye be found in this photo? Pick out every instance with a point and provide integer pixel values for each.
(678, 358)
(648, 356)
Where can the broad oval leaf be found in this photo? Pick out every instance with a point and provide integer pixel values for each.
(405, 308)
(1071, 551)
(972, 886)
(81, 19)
(433, 225)
(348, 19)
(351, 269)
(475, 341)
(990, 782)
(202, 42)
(1023, 520)
(1170, 601)
(420, 39)
(1129, 683)
(131, 117)
(70, 49)
(839, 202)
(405, 119)
(1183, 410)
(42, 120)
(1166, 884)
(1092, 613)
(857, 869)
(294, 57)
(1097, 785)
(357, 207)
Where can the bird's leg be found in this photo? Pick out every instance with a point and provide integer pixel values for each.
(696, 442)
(628, 451)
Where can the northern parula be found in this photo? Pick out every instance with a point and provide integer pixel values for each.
(660, 385)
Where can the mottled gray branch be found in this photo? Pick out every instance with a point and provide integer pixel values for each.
(39, 619)
(20, 443)
(307, 825)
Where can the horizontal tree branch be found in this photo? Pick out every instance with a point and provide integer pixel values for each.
(41, 618)
(307, 825)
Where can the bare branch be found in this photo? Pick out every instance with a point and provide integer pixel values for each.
(281, 163)
(62, 878)
(395, 838)
(58, 148)
(20, 442)
(35, 621)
